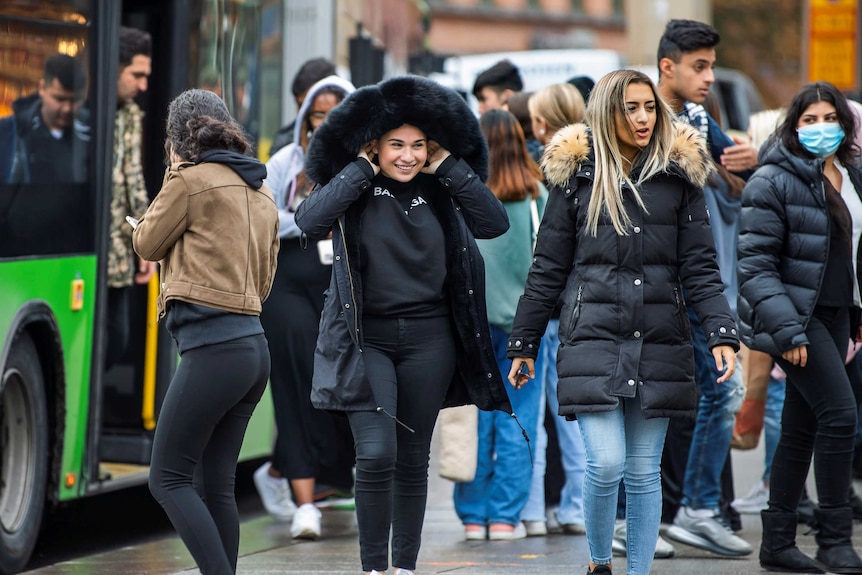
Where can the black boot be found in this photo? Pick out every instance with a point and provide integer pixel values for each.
(834, 540)
(855, 504)
(778, 550)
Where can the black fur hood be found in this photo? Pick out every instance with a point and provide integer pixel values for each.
(371, 111)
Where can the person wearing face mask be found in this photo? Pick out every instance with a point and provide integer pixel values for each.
(799, 302)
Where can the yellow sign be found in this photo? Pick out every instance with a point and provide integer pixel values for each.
(833, 42)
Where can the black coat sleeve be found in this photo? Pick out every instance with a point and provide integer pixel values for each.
(317, 214)
(484, 213)
(552, 264)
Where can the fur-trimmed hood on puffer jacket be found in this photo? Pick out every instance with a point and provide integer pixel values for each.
(371, 111)
(572, 146)
(624, 329)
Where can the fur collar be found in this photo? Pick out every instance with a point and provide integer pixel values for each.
(571, 148)
(371, 111)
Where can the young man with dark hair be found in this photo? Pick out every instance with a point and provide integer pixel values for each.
(686, 57)
(494, 86)
(129, 192)
(311, 72)
(45, 137)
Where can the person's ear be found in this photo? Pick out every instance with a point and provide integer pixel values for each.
(375, 148)
(504, 97)
(667, 67)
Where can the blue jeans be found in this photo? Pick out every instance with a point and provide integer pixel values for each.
(569, 437)
(772, 423)
(713, 428)
(621, 444)
(503, 468)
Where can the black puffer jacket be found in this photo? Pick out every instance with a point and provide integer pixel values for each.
(783, 248)
(623, 327)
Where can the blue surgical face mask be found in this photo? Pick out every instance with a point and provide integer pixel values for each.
(821, 139)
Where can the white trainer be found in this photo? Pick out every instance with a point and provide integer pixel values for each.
(401, 571)
(306, 522)
(663, 549)
(755, 501)
(274, 493)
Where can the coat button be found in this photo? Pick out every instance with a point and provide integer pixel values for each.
(337, 258)
(469, 291)
(637, 334)
(637, 229)
(490, 376)
(638, 282)
(631, 382)
(722, 329)
(347, 306)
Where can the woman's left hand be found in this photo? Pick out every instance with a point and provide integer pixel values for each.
(436, 155)
(725, 359)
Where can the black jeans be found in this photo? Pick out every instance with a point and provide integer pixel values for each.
(202, 425)
(410, 364)
(819, 416)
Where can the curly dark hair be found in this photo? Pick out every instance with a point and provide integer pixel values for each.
(199, 121)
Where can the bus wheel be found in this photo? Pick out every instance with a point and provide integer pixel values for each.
(23, 454)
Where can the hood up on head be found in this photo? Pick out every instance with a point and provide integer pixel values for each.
(572, 146)
(371, 111)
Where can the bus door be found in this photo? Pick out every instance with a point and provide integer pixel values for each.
(134, 386)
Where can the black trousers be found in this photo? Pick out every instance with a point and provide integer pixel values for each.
(311, 443)
(410, 364)
(202, 425)
(819, 418)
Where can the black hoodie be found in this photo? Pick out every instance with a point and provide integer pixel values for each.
(251, 170)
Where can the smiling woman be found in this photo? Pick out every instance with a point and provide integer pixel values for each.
(403, 330)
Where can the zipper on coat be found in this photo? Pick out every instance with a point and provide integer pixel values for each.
(576, 311)
(350, 279)
(828, 238)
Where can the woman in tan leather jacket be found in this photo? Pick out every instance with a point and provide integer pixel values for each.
(214, 228)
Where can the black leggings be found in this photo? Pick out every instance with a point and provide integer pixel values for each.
(819, 416)
(409, 363)
(202, 424)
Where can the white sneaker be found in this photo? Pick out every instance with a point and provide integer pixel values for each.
(274, 493)
(756, 500)
(536, 528)
(663, 549)
(401, 571)
(306, 522)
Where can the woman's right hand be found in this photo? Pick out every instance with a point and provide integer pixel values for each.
(365, 153)
(797, 355)
(518, 377)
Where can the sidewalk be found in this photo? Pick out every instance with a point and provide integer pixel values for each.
(267, 548)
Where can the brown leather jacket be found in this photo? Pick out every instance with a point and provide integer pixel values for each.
(216, 238)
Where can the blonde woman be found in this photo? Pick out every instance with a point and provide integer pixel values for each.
(625, 231)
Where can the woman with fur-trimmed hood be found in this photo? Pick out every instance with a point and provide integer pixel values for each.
(624, 232)
(404, 329)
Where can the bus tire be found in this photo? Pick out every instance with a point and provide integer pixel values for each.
(23, 454)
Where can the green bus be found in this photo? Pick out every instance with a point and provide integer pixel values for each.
(68, 427)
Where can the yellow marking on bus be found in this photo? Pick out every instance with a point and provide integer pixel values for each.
(148, 409)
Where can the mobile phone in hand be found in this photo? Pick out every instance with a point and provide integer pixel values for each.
(132, 222)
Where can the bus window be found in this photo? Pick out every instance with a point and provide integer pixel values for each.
(45, 206)
(236, 53)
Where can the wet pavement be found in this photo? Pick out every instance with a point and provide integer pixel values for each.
(267, 548)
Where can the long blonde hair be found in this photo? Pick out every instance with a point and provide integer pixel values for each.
(607, 102)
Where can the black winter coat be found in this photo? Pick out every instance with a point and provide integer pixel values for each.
(466, 209)
(783, 248)
(624, 330)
